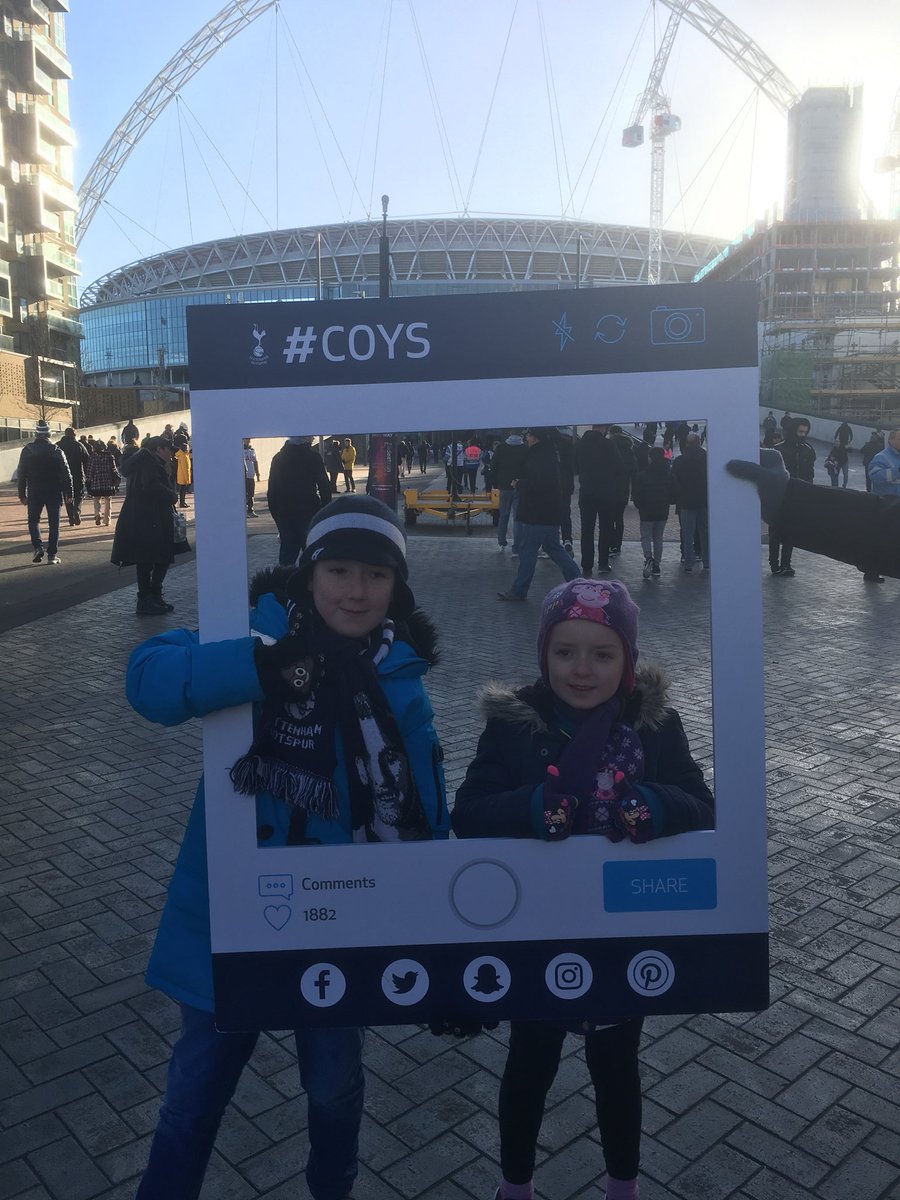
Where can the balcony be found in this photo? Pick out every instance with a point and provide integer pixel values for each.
(53, 61)
(58, 6)
(56, 195)
(58, 261)
(53, 127)
(38, 12)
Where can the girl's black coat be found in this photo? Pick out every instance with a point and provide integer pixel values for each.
(520, 741)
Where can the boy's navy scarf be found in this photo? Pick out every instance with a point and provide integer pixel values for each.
(294, 752)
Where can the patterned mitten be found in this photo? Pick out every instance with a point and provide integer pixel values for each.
(630, 812)
(559, 808)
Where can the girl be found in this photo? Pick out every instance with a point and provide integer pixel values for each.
(336, 646)
(590, 748)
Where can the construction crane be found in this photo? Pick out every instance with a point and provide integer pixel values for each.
(890, 161)
(664, 123)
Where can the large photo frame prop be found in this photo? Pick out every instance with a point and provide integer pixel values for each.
(594, 930)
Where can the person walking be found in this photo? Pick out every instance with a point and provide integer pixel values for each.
(333, 463)
(44, 483)
(348, 462)
(593, 748)
(145, 529)
(689, 472)
(770, 428)
(183, 472)
(837, 463)
(844, 435)
(566, 449)
(472, 461)
(131, 432)
(884, 469)
(350, 756)
(103, 479)
(653, 493)
(623, 444)
(508, 461)
(251, 476)
(800, 459)
(603, 478)
(77, 456)
(873, 446)
(422, 452)
(115, 449)
(540, 506)
(298, 487)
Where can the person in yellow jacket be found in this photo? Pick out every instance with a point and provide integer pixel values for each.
(348, 458)
(183, 474)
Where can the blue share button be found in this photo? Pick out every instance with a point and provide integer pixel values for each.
(663, 885)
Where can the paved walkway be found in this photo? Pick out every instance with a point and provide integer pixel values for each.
(798, 1101)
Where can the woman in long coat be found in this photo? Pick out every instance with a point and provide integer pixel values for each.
(145, 530)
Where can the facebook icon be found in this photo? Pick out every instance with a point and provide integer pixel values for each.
(321, 981)
(323, 985)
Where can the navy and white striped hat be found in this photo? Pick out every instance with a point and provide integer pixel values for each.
(361, 529)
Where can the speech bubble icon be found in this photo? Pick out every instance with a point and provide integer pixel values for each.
(281, 886)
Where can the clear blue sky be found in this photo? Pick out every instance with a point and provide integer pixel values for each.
(175, 188)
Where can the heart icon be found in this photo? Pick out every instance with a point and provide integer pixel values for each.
(277, 915)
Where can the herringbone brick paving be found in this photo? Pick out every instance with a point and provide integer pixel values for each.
(798, 1101)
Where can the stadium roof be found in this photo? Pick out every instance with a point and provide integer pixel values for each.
(509, 249)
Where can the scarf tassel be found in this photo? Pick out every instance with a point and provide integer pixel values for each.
(252, 774)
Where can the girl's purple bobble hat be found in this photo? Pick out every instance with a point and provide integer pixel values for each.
(605, 601)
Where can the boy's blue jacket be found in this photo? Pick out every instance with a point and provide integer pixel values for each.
(174, 677)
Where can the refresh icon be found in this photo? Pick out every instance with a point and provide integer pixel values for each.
(610, 329)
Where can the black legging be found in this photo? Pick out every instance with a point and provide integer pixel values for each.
(531, 1066)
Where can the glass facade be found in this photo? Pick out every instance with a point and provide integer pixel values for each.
(123, 340)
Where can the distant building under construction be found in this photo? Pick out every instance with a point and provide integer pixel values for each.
(829, 281)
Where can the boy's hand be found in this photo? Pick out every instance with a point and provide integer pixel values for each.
(285, 671)
(630, 812)
(770, 476)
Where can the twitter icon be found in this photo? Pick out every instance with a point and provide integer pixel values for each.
(404, 981)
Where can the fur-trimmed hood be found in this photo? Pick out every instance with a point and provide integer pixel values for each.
(417, 630)
(530, 706)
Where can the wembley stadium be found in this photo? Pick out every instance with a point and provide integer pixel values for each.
(135, 329)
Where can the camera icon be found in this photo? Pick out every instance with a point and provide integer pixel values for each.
(677, 326)
(569, 976)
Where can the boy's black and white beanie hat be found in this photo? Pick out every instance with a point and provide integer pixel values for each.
(361, 529)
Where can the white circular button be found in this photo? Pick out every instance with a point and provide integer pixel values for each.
(485, 893)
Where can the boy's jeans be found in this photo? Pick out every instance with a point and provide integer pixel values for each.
(532, 538)
(203, 1074)
(509, 507)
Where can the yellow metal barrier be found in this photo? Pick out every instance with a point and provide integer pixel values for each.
(449, 508)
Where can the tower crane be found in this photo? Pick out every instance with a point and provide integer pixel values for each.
(891, 161)
(664, 122)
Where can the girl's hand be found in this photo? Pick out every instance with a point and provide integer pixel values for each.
(559, 808)
(630, 812)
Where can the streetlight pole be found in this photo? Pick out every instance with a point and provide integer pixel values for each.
(384, 255)
(383, 446)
